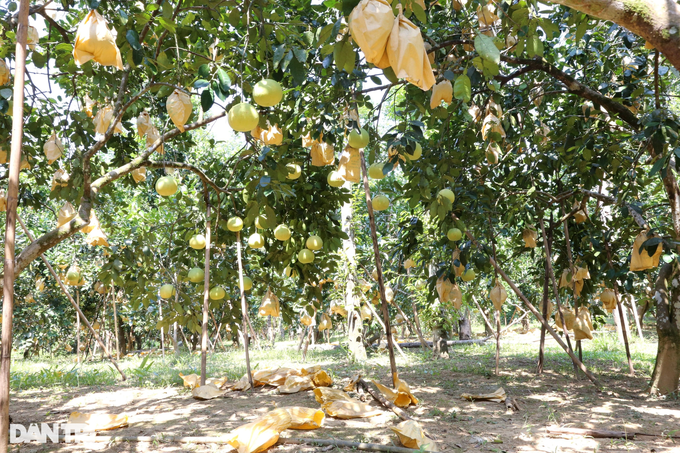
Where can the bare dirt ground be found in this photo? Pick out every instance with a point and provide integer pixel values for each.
(552, 399)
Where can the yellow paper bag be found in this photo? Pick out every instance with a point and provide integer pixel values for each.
(350, 409)
(460, 268)
(349, 166)
(370, 23)
(102, 121)
(569, 318)
(325, 323)
(411, 435)
(270, 305)
(152, 136)
(97, 237)
(3, 200)
(608, 298)
(60, 178)
(53, 148)
(179, 108)
(143, 124)
(491, 124)
(65, 214)
(191, 381)
(322, 379)
(641, 261)
(338, 309)
(5, 75)
(443, 286)
(324, 395)
(406, 53)
(582, 331)
(499, 396)
(401, 397)
(258, 436)
(529, 235)
(456, 297)
(305, 417)
(443, 91)
(296, 384)
(498, 295)
(139, 174)
(207, 392)
(94, 41)
(99, 422)
(322, 154)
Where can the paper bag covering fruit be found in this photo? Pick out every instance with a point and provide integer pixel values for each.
(529, 235)
(583, 325)
(411, 435)
(443, 91)
(608, 298)
(370, 24)
(53, 148)
(102, 121)
(94, 41)
(99, 422)
(401, 397)
(322, 154)
(641, 261)
(569, 318)
(270, 305)
(60, 178)
(497, 396)
(65, 214)
(498, 295)
(406, 53)
(566, 282)
(179, 108)
(139, 174)
(326, 323)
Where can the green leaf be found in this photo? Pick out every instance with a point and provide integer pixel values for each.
(324, 34)
(300, 54)
(279, 52)
(419, 12)
(133, 39)
(207, 99)
(169, 26)
(298, 71)
(486, 49)
(38, 59)
(94, 4)
(462, 88)
(225, 81)
(137, 56)
(657, 167)
(581, 30)
(123, 16)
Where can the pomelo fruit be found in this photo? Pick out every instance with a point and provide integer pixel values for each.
(335, 180)
(454, 234)
(217, 293)
(380, 203)
(468, 275)
(448, 193)
(197, 242)
(267, 92)
(167, 291)
(416, 153)
(294, 171)
(375, 171)
(73, 276)
(358, 139)
(305, 256)
(247, 283)
(235, 224)
(282, 232)
(166, 186)
(243, 117)
(196, 275)
(314, 243)
(256, 241)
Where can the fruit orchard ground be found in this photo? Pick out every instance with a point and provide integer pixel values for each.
(157, 405)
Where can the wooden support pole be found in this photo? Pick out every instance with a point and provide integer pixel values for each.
(160, 316)
(636, 315)
(10, 223)
(206, 292)
(244, 308)
(378, 267)
(497, 314)
(548, 259)
(77, 327)
(572, 269)
(75, 304)
(534, 311)
(115, 320)
(544, 312)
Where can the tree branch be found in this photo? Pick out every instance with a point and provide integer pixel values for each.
(182, 165)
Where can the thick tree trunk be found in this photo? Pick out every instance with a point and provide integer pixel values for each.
(464, 326)
(657, 21)
(666, 375)
(440, 336)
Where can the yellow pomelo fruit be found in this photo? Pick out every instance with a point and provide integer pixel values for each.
(448, 193)
(197, 242)
(235, 224)
(167, 291)
(334, 179)
(256, 241)
(416, 153)
(314, 243)
(380, 203)
(247, 283)
(217, 293)
(375, 171)
(358, 140)
(294, 171)
(282, 232)
(468, 275)
(305, 256)
(166, 186)
(196, 275)
(267, 92)
(454, 234)
(243, 117)
(73, 277)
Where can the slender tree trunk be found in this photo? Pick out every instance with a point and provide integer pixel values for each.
(465, 326)
(244, 309)
(160, 315)
(633, 309)
(206, 293)
(666, 375)
(78, 327)
(544, 312)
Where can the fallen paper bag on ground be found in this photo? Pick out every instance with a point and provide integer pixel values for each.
(258, 436)
(207, 392)
(411, 435)
(310, 370)
(296, 384)
(497, 396)
(350, 409)
(191, 380)
(326, 395)
(242, 384)
(401, 397)
(322, 379)
(352, 383)
(217, 382)
(99, 422)
(305, 417)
